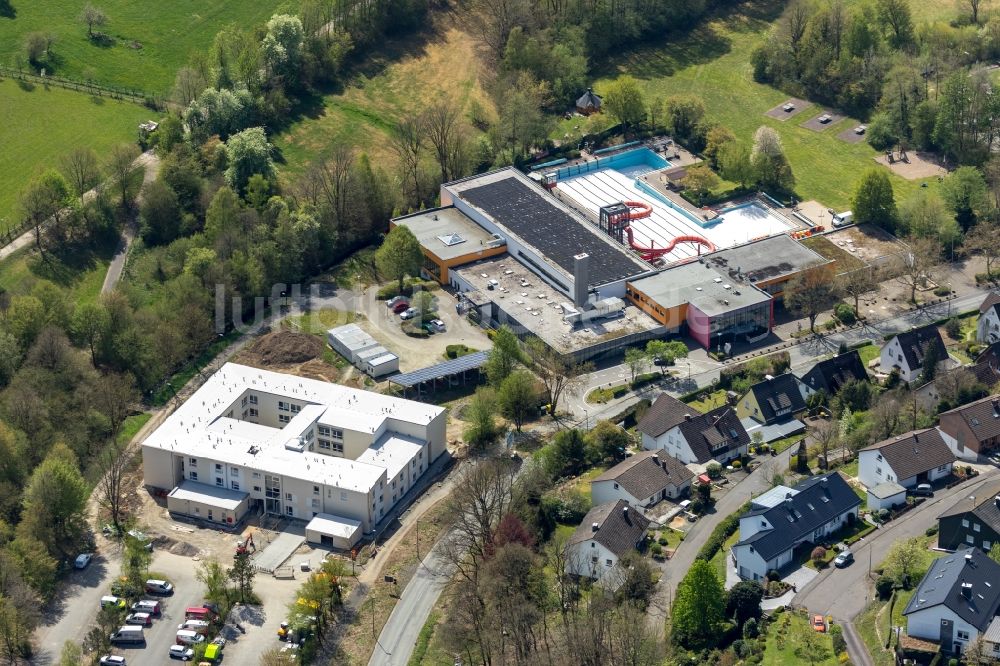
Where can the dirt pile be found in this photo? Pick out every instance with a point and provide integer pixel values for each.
(286, 347)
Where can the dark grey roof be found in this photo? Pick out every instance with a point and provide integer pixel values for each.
(442, 370)
(778, 394)
(817, 501)
(990, 356)
(713, 434)
(619, 528)
(589, 100)
(942, 586)
(914, 452)
(917, 342)
(982, 417)
(988, 510)
(527, 212)
(665, 413)
(647, 473)
(831, 374)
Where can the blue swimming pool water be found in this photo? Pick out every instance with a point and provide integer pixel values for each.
(632, 163)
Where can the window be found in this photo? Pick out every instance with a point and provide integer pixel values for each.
(607, 563)
(193, 476)
(343, 496)
(256, 489)
(965, 523)
(324, 430)
(193, 462)
(244, 402)
(282, 406)
(235, 485)
(245, 413)
(289, 510)
(969, 539)
(338, 448)
(256, 475)
(616, 486)
(284, 418)
(315, 490)
(219, 482)
(962, 635)
(233, 471)
(975, 527)
(323, 443)
(943, 468)
(288, 497)
(253, 399)
(878, 470)
(253, 412)
(987, 545)
(218, 467)
(336, 434)
(315, 503)
(295, 408)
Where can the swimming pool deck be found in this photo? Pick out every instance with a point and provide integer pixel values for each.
(592, 190)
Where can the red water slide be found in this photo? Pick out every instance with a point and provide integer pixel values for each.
(639, 210)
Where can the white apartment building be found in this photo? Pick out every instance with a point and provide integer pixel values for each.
(255, 441)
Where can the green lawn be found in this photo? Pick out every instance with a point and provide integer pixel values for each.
(865, 625)
(713, 62)
(710, 402)
(720, 558)
(868, 352)
(81, 274)
(152, 39)
(789, 639)
(40, 126)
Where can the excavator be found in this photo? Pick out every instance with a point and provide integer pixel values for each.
(246, 546)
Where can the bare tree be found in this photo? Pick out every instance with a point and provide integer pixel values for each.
(93, 17)
(406, 141)
(493, 20)
(857, 283)
(984, 239)
(557, 372)
(441, 123)
(120, 167)
(80, 169)
(811, 292)
(112, 493)
(915, 268)
(188, 84)
(974, 6)
(113, 395)
(794, 25)
(825, 435)
(335, 170)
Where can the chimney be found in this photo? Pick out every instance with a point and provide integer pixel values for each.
(594, 527)
(967, 590)
(996, 500)
(824, 479)
(996, 406)
(968, 557)
(581, 279)
(625, 510)
(687, 417)
(656, 459)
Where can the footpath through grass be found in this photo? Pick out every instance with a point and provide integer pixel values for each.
(40, 126)
(151, 39)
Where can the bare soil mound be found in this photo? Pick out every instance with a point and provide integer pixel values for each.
(287, 347)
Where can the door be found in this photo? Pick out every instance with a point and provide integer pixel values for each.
(947, 632)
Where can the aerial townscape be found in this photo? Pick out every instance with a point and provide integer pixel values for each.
(500, 333)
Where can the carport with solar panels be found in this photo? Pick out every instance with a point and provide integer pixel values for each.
(456, 372)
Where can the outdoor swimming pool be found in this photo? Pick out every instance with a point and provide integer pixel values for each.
(632, 163)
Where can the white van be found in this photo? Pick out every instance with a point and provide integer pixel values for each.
(200, 626)
(130, 634)
(189, 637)
(843, 219)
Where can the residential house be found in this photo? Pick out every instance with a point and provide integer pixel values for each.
(973, 430)
(681, 431)
(829, 375)
(608, 532)
(956, 601)
(642, 480)
(907, 352)
(774, 400)
(988, 326)
(973, 521)
(919, 456)
(783, 519)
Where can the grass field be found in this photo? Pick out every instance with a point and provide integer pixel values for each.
(404, 78)
(787, 641)
(81, 275)
(40, 126)
(713, 62)
(169, 34)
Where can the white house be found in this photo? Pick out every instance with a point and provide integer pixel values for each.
(988, 326)
(920, 456)
(956, 601)
(608, 532)
(783, 519)
(293, 447)
(907, 351)
(642, 480)
(681, 431)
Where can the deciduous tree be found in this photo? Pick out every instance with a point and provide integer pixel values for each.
(984, 239)
(874, 201)
(624, 101)
(93, 17)
(903, 560)
(557, 372)
(80, 168)
(699, 607)
(399, 255)
(857, 283)
(54, 502)
(636, 360)
(481, 431)
(120, 166)
(248, 153)
(914, 268)
(812, 292)
(111, 489)
(518, 397)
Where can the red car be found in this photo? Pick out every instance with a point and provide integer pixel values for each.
(400, 307)
(819, 624)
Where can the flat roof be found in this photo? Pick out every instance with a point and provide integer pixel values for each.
(335, 526)
(538, 307)
(442, 370)
(446, 232)
(393, 452)
(512, 201)
(203, 493)
(200, 427)
(765, 259)
(702, 286)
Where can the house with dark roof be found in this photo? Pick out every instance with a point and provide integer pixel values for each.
(956, 601)
(919, 456)
(679, 430)
(906, 352)
(608, 532)
(588, 103)
(642, 480)
(988, 326)
(777, 525)
(972, 522)
(829, 375)
(774, 400)
(972, 431)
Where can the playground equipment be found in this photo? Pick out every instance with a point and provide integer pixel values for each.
(614, 220)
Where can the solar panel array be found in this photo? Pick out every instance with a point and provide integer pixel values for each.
(442, 370)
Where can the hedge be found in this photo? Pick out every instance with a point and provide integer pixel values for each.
(722, 531)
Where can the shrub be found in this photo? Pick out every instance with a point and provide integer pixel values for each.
(883, 586)
(656, 550)
(845, 313)
(818, 554)
(737, 464)
(830, 325)
(931, 531)
(883, 515)
(953, 327)
(662, 541)
(722, 531)
(714, 471)
(942, 291)
(837, 636)
(751, 628)
(697, 506)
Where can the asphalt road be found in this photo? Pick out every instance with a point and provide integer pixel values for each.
(844, 593)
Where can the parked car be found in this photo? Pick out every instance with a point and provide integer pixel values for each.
(437, 325)
(112, 600)
(843, 559)
(129, 635)
(154, 586)
(659, 362)
(819, 624)
(112, 660)
(861, 129)
(409, 313)
(206, 612)
(843, 219)
(201, 626)
(923, 490)
(401, 307)
(142, 619)
(150, 606)
(392, 302)
(188, 637)
(82, 560)
(182, 652)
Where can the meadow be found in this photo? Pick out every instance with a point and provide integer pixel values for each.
(152, 39)
(43, 124)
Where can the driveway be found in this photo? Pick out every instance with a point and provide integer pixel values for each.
(844, 593)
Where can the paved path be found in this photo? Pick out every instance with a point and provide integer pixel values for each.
(151, 164)
(856, 648)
